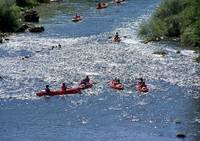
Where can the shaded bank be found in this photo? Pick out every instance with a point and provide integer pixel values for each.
(174, 19)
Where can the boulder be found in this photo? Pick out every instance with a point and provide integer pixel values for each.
(23, 28)
(180, 135)
(1, 40)
(37, 29)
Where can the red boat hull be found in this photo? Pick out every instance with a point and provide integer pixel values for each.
(76, 90)
(76, 19)
(115, 85)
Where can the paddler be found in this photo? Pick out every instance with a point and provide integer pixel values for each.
(141, 83)
(63, 87)
(116, 37)
(86, 80)
(47, 90)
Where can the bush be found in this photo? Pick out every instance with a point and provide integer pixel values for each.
(9, 16)
(155, 29)
(191, 35)
(26, 3)
(44, 1)
(30, 3)
(174, 18)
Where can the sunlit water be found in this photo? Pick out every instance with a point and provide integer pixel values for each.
(99, 113)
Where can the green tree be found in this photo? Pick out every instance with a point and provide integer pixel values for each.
(9, 16)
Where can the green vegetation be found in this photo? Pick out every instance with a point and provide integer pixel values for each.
(30, 3)
(9, 16)
(172, 19)
(198, 59)
(26, 3)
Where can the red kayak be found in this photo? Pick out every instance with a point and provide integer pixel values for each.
(116, 85)
(76, 19)
(86, 86)
(143, 89)
(102, 6)
(75, 90)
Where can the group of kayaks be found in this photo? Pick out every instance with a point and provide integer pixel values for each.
(114, 84)
(100, 5)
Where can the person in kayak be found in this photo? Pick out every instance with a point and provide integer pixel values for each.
(86, 80)
(99, 5)
(63, 87)
(116, 37)
(141, 82)
(77, 16)
(47, 90)
(117, 80)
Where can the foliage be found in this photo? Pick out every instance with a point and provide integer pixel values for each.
(30, 3)
(26, 3)
(198, 59)
(174, 18)
(9, 16)
(43, 1)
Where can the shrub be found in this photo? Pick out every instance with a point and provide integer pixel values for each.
(44, 1)
(155, 29)
(9, 16)
(174, 18)
(26, 3)
(191, 35)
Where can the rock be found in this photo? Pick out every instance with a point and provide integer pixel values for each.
(178, 51)
(23, 28)
(160, 52)
(180, 135)
(31, 16)
(177, 121)
(37, 29)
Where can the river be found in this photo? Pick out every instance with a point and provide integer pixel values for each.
(100, 113)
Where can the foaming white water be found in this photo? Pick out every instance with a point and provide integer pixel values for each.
(77, 57)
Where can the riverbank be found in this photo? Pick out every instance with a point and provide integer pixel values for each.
(174, 19)
(13, 15)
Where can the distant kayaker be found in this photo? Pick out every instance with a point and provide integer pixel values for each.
(59, 45)
(117, 37)
(99, 5)
(141, 82)
(117, 80)
(63, 87)
(47, 90)
(77, 16)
